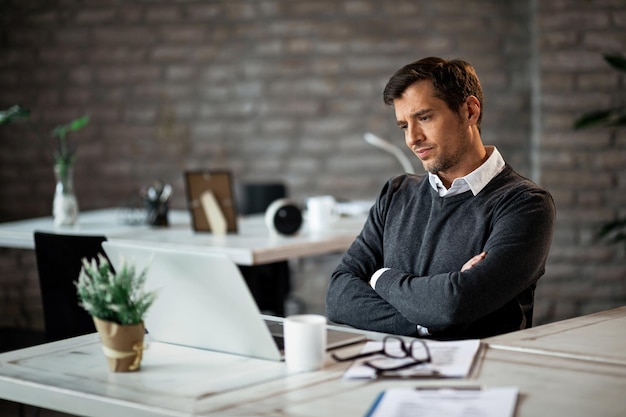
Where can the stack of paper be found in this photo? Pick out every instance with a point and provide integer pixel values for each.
(449, 360)
(408, 402)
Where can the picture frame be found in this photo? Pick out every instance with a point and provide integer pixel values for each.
(219, 184)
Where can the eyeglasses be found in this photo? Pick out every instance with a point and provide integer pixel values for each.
(394, 355)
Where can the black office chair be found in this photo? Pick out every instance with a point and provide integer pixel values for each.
(59, 260)
(269, 284)
(15, 335)
(12, 338)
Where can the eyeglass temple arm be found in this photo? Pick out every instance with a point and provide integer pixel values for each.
(357, 356)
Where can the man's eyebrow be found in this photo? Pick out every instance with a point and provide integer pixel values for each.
(420, 113)
(415, 115)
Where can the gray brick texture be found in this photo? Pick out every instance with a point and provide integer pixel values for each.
(284, 90)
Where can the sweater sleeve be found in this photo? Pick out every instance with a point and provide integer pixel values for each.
(350, 299)
(517, 247)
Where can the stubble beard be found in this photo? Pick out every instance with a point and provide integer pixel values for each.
(445, 162)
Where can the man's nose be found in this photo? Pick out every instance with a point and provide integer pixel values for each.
(414, 135)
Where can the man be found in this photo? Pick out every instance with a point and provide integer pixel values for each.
(455, 253)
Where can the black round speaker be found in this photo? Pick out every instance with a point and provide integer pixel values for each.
(284, 217)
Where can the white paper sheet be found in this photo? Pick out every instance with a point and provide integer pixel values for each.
(408, 402)
(449, 360)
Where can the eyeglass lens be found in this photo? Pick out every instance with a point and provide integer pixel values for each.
(397, 348)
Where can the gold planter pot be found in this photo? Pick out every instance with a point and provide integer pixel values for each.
(122, 344)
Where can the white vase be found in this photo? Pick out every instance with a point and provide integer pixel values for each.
(64, 205)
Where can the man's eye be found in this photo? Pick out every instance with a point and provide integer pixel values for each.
(402, 126)
(424, 118)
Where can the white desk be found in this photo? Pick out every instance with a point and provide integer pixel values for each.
(252, 245)
(72, 376)
(599, 337)
(554, 387)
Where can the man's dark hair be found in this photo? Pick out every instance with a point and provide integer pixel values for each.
(453, 81)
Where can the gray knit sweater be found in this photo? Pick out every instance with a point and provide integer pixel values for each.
(425, 240)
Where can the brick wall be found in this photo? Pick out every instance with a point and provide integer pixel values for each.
(585, 170)
(284, 90)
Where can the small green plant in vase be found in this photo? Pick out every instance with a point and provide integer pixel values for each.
(118, 303)
(65, 204)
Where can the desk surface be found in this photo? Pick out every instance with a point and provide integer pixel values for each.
(594, 337)
(556, 387)
(72, 376)
(252, 245)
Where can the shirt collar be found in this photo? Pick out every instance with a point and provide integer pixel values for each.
(475, 180)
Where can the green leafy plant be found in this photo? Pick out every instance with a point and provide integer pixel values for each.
(63, 154)
(610, 117)
(613, 117)
(118, 297)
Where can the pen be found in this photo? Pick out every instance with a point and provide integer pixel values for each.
(411, 375)
(451, 387)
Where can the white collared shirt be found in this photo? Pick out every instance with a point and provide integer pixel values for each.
(475, 180)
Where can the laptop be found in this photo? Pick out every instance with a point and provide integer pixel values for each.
(204, 302)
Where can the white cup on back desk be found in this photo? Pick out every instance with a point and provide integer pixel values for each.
(320, 212)
(305, 342)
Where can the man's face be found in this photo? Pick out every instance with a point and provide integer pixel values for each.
(438, 136)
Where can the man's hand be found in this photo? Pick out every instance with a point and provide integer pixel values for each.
(473, 261)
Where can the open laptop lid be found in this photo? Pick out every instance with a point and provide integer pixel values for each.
(203, 300)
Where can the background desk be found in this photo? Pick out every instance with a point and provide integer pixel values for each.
(252, 245)
(72, 376)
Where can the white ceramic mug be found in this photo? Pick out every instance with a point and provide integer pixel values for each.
(320, 212)
(305, 342)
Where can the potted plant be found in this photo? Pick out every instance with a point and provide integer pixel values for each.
(614, 117)
(118, 303)
(65, 205)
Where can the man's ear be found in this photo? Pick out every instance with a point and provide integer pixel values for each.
(473, 108)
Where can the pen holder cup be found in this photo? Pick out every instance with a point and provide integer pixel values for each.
(157, 213)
